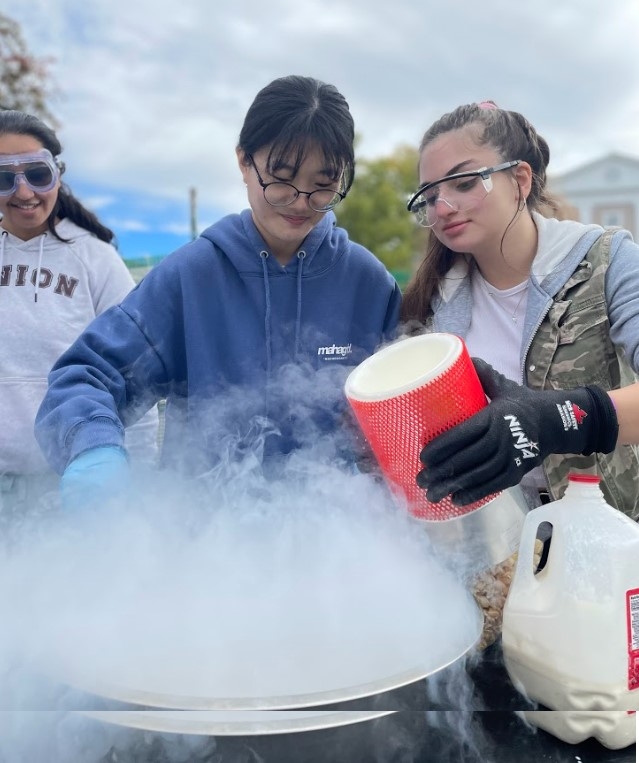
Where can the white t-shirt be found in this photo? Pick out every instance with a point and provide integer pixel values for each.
(495, 335)
(497, 324)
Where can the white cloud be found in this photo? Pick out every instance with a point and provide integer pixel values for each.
(131, 226)
(176, 229)
(153, 93)
(97, 203)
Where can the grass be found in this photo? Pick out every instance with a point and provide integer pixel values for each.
(138, 273)
(141, 266)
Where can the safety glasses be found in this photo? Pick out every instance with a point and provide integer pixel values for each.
(38, 170)
(460, 192)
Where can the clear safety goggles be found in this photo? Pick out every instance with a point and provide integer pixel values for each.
(460, 192)
(38, 170)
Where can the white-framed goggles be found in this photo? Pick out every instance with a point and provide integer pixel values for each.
(38, 170)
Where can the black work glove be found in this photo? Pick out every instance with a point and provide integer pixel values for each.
(494, 448)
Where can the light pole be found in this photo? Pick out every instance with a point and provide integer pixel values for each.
(193, 211)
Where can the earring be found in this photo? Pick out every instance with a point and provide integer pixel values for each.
(522, 205)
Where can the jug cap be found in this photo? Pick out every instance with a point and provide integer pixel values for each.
(591, 479)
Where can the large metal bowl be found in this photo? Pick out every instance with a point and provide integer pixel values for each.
(201, 681)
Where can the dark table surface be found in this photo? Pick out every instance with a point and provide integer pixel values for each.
(404, 737)
(413, 737)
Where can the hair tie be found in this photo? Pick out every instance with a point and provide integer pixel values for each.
(488, 105)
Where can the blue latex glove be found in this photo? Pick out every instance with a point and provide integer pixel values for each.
(94, 477)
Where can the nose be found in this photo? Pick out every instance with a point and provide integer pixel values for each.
(302, 201)
(22, 190)
(444, 208)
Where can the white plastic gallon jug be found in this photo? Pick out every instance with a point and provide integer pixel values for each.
(571, 631)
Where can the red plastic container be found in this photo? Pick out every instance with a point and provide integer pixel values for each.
(406, 394)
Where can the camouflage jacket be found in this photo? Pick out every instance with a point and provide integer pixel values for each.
(580, 328)
(571, 347)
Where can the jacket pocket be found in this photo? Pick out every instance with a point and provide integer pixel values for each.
(584, 350)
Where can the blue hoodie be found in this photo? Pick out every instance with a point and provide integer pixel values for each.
(238, 345)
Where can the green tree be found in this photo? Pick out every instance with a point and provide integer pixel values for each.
(374, 212)
(24, 79)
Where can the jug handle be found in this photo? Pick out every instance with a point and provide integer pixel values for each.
(526, 555)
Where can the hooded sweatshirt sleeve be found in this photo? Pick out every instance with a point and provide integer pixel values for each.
(92, 388)
(110, 281)
(116, 369)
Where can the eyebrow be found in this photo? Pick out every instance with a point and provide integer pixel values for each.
(456, 168)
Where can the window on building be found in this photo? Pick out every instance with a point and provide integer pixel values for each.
(614, 216)
(611, 218)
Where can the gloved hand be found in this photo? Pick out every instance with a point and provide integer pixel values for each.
(94, 477)
(494, 448)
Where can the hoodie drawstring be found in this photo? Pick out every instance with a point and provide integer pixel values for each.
(298, 324)
(301, 255)
(37, 278)
(267, 313)
(3, 238)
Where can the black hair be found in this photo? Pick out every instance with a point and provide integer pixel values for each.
(66, 206)
(294, 113)
(513, 137)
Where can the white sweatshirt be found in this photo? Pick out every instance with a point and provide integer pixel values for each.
(49, 292)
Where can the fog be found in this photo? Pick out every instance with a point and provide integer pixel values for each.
(233, 591)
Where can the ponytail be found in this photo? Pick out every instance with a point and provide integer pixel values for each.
(68, 207)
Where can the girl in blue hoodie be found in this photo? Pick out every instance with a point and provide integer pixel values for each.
(246, 332)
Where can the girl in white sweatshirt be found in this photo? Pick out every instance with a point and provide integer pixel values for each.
(58, 271)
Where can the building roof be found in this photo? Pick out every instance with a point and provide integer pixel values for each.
(613, 157)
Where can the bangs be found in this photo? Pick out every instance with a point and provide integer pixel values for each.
(290, 153)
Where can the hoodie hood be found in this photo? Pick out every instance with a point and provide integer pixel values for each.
(231, 235)
(556, 240)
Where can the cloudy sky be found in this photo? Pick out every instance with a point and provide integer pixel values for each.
(152, 94)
